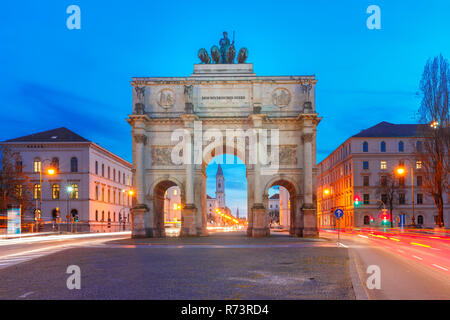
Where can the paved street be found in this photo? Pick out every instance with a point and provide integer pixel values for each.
(227, 265)
(223, 266)
(413, 265)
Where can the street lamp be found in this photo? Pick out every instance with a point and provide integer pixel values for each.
(69, 196)
(401, 171)
(50, 172)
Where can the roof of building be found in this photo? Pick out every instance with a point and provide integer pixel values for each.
(219, 171)
(386, 129)
(55, 135)
(275, 196)
(208, 197)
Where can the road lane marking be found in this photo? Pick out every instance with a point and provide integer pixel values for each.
(26, 294)
(360, 235)
(395, 239)
(341, 244)
(438, 266)
(420, 244)
(401, 251)
(418, 257)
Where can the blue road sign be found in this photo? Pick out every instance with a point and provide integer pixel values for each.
(339, 213)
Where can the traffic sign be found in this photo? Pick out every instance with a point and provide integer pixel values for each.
(339, 213)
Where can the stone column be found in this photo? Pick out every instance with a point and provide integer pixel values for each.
(260, 227)
(188, 227)
(140, 140)
(308, 208)
(139, 212)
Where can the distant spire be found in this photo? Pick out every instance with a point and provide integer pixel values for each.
(237, 213)
(219, 171)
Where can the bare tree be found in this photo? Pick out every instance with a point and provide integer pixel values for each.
(15, 186)
(433, 152)
(388, 191)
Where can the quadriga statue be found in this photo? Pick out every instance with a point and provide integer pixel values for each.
(242, 56)
(204, 56)
(215, 54)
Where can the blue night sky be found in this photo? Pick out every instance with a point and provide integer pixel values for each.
(53, 77)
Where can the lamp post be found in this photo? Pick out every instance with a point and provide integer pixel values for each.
(51, 171)
(401, 171)
(69, 196)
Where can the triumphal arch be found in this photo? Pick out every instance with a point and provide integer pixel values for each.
(180, 123)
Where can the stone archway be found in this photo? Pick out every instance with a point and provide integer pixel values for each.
(295, 199)
(214, 101)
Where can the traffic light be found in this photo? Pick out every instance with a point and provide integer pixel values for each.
(356, 201)
(385, 217)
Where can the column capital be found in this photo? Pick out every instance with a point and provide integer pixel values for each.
(140, 138)
(257, 119)
(188, 118)
(307, 137)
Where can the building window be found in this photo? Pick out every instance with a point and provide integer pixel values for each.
(384, 198)
(19, 191)
(419, 181)
(383, 146)
(419, 198)
(19, 166)
(55, 191)
(401, 181)
(37, 165)
(96, 192)
(419, 164)
(383, 180)
(109, 195)
(74, 165)
(96, 215)
(37, 191)
(366, 220)
(366, 198)
(103, 170)
(365, 146)
(118, 176)
(366, 181)
(123, 178)
(109, 173)
(401, 163)
(419, 219)
(401, 146)
(103, 194)
(365, 165)
(383, 165)
(103, 215)
(96, 167)
(175, 192)
(55, 164)
(74, 191)
(419, 146)
(401, 198)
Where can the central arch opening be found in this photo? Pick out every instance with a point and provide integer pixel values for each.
(226, 198)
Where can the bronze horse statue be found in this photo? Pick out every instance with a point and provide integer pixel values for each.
(215, 54)
(204, 56)
(242, 56)
(231, 53)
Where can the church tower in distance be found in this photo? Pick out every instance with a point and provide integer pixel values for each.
(220, 188)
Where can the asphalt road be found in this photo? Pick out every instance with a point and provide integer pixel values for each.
(412, 265)
(228, 266)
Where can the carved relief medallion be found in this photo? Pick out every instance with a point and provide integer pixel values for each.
(161, 155)
(281, 97)
(288, 154)
(166, 98)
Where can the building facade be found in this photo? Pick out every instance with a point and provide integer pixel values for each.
(353, 177)
(87, 188)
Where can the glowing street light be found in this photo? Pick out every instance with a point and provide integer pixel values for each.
(51, 171)
(326, 192)
(401, 171)
(434, 124)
